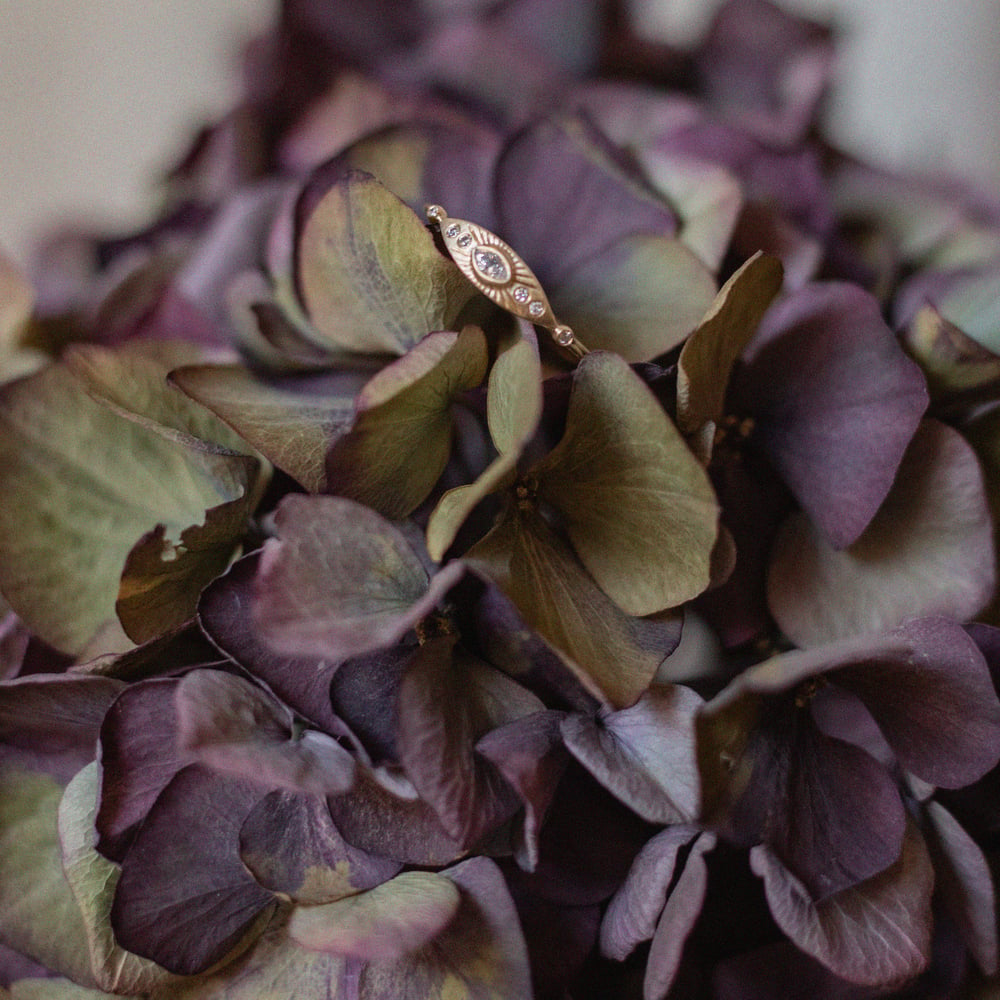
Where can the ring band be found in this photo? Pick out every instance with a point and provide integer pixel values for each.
(500, 274)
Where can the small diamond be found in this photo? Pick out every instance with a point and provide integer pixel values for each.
(452, 231)
(536, 309)
(464, 241)
(434, 213)
(490, 264)
(563, 336)
(521, 294)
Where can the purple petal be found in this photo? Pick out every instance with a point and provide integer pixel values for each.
(447, 700)
(184, 898)
(406, 829)
(289, 844)
(510, 645)
(679, 915)
(928, 551)
(339, 581)
(563, 198)
(238, 728)
(644, 755)
(964, 882)
(830, 811)
(454, 165)
(530, 755)
(53, 720)
(766, 66)
(930, 692)
(835, 403)
(876, 933)
(634, 910)
(364, 692)
(225, 615)
(139, 757)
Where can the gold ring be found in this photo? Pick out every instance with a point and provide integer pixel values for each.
(501, 275)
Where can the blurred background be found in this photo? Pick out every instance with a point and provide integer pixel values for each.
(100, 95)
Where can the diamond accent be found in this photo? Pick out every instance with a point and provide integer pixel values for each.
(464, 241)
(536, 309)
(521, 294)
(490, 264)
(563, 336)
(452, 231)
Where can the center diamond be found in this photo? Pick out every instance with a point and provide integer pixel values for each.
(490, 265)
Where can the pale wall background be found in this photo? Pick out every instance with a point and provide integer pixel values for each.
(96, 96)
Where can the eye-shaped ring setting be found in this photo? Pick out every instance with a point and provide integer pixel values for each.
(501, 275)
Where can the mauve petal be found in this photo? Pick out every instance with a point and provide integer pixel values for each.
(835, 403)
(364, 691)
(447, 700)
(634, 910)
(530, 754)
(563, 198)
(289, 844)
(787, 185)
(445, 163)
(506, 641)
(373, 819)
(877, 933)
(644, 755)
(829, 810)
(964, 881)
(679, 916)
(184, 898)
(766, 66)
(53, 720)
(139, 757)
(933, 699)
(240, 729)
(302, 683)
(339, 580)
(929, 550)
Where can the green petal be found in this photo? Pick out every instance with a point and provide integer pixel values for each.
(639, 298)
(707, 197)
(84, 481)
(513, 408)
(92, 879)
(709, 354)
(386, 922)
(292, 429)
(369, 273)
(275, 968)
(637, 505)
(54, 989)
(38, 915)
(401, 439)
(955, 365)
(613, 655)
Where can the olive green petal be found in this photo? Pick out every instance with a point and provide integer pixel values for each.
(636, 504)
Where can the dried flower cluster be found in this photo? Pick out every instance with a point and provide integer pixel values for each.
(359, 646)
